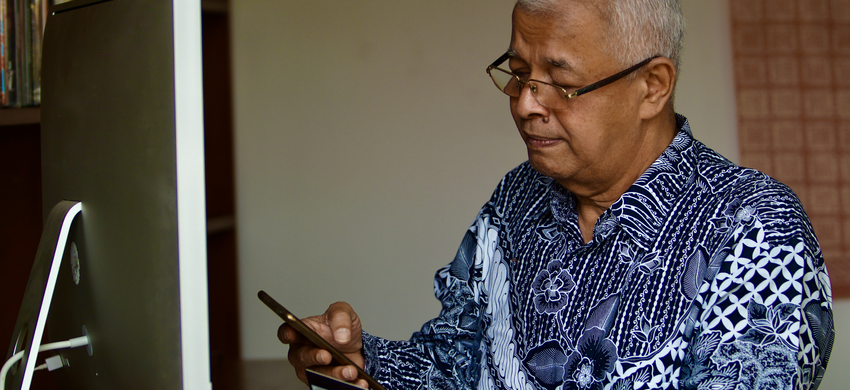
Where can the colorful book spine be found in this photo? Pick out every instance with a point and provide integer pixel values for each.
(21, 32)
(12, 53)
(26, 53)
(2, 52)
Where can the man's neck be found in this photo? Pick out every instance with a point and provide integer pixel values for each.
(594, 199)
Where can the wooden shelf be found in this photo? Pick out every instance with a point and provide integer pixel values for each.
(214, 6)
(20, 116)
(217, 225)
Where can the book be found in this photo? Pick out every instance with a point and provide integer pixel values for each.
(39, 17)
(2, 52)
(21, 33)
(25, 68)
(10, 65)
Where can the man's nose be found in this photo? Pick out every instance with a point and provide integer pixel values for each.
(527, 104)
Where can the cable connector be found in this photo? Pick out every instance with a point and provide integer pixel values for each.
(72, 343)
(55, 362)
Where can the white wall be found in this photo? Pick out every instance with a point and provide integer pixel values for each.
(837, 373)
(368, 135)
(706, 91)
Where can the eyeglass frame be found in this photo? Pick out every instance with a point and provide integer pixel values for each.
(567, 96)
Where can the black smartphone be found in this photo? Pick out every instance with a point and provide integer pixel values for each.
(314, 338)
(319, 381)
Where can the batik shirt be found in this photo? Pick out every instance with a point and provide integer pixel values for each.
(702, 275)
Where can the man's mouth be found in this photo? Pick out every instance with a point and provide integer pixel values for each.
(537, 142)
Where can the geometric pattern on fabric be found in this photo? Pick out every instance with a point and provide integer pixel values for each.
(702, 275)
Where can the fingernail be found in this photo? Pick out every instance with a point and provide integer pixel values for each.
(323, 357)
(349, 373)
(342, 335)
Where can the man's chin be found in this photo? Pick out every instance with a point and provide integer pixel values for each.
(546, 167)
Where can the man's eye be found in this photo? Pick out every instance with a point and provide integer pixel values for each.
(567, 87)
(524, 76)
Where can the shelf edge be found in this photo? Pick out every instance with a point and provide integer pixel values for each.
(20, 116)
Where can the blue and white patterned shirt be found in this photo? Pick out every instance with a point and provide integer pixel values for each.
(703, 274)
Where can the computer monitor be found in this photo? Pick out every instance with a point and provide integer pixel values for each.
(122, 133)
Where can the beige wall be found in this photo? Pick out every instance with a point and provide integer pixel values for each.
(706, 93)
(838, 371)
(368, 135)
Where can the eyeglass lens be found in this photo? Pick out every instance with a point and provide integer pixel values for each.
(547, 95)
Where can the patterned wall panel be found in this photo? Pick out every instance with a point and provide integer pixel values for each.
(792, 76)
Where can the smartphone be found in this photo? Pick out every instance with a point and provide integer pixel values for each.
(318, 381)
(314, 338)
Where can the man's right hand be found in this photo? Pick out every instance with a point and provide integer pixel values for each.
(341, 327)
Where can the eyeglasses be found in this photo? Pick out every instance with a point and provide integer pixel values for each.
(549, 95)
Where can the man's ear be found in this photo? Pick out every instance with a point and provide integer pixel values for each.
(660, 78)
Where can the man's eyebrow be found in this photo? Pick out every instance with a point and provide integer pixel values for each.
(560, 63)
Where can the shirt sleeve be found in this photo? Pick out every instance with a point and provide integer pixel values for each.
(444, 353)
(765, 318)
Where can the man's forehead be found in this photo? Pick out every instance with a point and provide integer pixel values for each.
(559, 39)
(553, 60)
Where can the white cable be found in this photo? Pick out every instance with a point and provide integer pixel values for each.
(72, 343)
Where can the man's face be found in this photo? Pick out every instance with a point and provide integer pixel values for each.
(591, 144)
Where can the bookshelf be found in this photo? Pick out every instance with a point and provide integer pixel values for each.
(20, 116)
(17, 116)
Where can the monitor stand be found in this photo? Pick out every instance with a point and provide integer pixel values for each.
(32, 316)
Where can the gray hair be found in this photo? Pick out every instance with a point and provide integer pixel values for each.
(637, 29)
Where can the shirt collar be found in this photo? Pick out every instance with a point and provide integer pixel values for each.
(643, 208)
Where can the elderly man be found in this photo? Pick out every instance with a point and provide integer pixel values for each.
(624, 254)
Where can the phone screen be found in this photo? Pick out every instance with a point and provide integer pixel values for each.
(314, 337)
(319, 381)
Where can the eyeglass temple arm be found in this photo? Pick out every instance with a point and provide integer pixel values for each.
(609, 80)
(499, 60)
